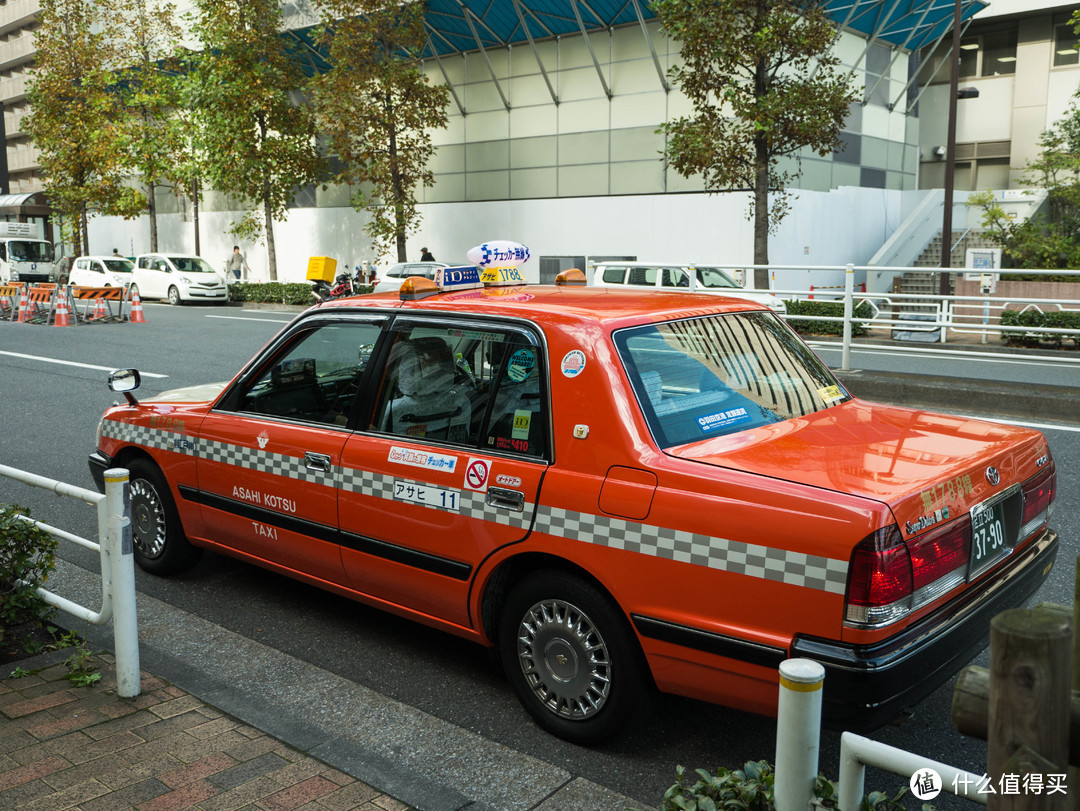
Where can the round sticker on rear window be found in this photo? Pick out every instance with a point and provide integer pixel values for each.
(520, 365)
(573, 363)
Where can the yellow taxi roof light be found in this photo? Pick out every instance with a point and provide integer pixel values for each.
(570, 278)
(415, 288)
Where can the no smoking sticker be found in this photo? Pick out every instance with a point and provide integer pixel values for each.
(476, 474)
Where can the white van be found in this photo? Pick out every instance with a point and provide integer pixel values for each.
(23, 256)
(101, 271)
(678, 277)
(177, 278)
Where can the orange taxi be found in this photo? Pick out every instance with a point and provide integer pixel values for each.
(620, 491)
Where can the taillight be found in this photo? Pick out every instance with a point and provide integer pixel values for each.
(879, 580)
(1039, 492)
(888, 578)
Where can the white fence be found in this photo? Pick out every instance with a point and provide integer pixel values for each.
(938, 316)
(117, 565)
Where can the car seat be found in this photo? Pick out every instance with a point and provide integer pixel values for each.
(429, 405)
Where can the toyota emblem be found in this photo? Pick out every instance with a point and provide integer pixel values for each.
(992, 475)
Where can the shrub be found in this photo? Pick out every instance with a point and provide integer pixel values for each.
(834, 309)
(27, 555)
(277, 292)
(1055, 319)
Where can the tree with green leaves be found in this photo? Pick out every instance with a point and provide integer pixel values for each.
(149, 91)
(74, 119)
(377, 109)
(764, 86)
(254, 137)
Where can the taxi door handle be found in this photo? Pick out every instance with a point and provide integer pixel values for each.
(317, 461)
(506, 499)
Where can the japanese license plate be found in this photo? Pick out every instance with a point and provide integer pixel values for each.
(989, 540)
(427, 495)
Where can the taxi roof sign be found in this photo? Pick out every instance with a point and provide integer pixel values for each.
(463, 277)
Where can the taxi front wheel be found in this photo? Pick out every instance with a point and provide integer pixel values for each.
(158, 539)
(571, 657)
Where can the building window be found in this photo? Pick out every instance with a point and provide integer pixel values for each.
(999, 54)
(1066, 51)
(987, 54)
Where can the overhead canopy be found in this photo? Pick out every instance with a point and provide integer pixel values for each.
(457, 26)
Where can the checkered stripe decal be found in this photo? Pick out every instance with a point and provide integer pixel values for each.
(781, 565)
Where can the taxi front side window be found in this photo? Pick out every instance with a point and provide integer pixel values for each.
(470, 386)
(318, 378)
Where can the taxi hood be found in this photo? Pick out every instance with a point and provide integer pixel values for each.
(204, 392)
(920, 463)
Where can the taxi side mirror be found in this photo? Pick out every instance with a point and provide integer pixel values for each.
(125, 381)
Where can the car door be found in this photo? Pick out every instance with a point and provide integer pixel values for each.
(270, 451)
(450, 465)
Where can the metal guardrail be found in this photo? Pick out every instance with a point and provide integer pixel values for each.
(960, 314)
(117, 565)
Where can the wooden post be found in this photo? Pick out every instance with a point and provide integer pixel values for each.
(1028, 730)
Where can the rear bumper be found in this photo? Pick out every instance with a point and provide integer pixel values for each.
(866, 686)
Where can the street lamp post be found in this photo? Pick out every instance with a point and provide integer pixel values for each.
(950, 158)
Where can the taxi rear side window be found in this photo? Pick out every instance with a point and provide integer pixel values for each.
(475, 386)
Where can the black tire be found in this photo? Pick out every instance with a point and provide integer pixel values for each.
(158, 538)
(174, 296)
(572, 657)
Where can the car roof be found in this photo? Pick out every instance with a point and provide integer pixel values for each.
(100, 256)
(550, 303)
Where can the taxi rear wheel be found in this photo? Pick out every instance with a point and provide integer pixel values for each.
(158, 539)
(571, 657)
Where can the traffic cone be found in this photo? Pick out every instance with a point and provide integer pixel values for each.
(62, 317)
(137, 316)
(99, 310)
(24, 307)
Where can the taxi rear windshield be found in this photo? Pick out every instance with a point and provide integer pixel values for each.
(721, 374)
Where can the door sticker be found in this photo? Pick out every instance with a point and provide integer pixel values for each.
(418, 458)
(573, 363)
(476, 474)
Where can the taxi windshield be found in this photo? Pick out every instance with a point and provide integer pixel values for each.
(715, 278)
(191, 264)
(721, 374)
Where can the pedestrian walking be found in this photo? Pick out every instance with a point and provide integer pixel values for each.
(237, 263)
(425, 255)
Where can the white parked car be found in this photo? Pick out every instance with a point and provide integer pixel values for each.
(678, 277)
(391, 281)
(177, 278)
(101, 271)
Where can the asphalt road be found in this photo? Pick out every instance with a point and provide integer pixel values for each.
(53, 384)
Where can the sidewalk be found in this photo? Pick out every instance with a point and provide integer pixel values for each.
(66, 747)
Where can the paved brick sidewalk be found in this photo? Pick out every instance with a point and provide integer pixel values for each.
(86, 748)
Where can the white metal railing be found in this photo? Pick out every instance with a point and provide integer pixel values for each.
(798, 732)
(960, 314)
(117, 565)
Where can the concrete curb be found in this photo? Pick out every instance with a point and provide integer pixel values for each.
(987, 398)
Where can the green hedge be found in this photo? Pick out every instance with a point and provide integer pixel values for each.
(834, 309)
(277, 292)
(1055, 319)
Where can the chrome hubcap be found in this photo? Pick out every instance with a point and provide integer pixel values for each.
(564, 659)
(147, 519)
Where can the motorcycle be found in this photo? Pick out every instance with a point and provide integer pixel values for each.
(344, 286)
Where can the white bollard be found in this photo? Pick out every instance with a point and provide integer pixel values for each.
(798, 733)
(122, 570)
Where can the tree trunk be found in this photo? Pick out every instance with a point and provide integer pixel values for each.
(151, 210)
(84, 231)
(398, 193)
(270, 250)
(761, 172)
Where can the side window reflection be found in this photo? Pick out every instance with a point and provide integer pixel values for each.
(318, 379)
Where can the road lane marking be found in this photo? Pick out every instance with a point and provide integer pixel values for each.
(240, 318)
(72, 363)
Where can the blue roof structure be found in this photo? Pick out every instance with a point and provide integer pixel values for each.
(457, 26)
